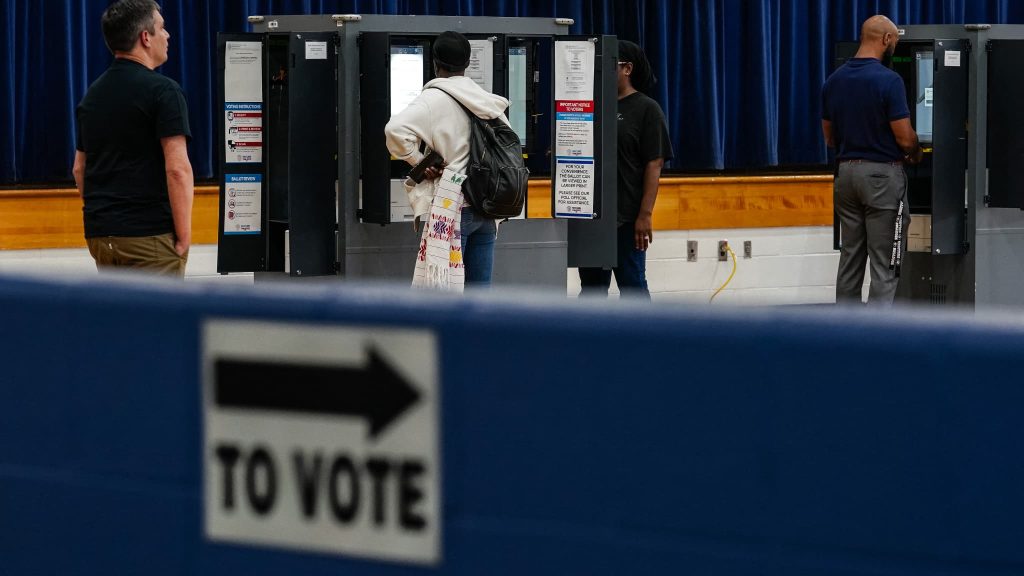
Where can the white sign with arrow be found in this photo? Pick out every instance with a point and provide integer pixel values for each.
(322, 438)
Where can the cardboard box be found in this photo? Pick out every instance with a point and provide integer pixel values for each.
(919, 237)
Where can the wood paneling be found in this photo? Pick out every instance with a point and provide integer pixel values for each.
(205, 211)
(538, 199)
(40, 219)
(748, 202)
(726, 202)
(53, 218)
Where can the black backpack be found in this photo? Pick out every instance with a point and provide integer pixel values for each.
(496, 179)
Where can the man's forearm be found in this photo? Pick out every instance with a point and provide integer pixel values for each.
(79, 172)
(180, 192)
(828, 133)
(912, 146)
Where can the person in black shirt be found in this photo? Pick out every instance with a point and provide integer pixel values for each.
(131, 163)
(643, 148)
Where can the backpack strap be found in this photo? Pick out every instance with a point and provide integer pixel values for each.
(457, 101)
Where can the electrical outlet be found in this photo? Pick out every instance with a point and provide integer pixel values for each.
(691, 251)
(723, 250)
(748, 249)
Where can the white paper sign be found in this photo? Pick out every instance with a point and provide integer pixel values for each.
(243, 72)
(322, 438)
(481, 63)
(953, 58)
(316, 50)
(243, 204)
(574, 184)
(574, 70)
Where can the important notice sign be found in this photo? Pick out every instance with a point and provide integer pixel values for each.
(574, 129)
(322, 438)
(574, 168)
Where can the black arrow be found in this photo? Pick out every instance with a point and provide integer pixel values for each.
(375, 391)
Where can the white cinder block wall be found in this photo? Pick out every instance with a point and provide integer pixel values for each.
(789, 266)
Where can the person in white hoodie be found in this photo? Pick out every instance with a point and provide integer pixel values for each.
(435, 120)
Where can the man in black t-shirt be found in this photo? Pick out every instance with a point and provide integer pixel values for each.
(131, 164)
(643, 148)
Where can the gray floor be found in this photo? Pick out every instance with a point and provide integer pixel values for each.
(55, 263)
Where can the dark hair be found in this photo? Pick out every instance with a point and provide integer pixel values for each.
(124, 20)
(642, 78)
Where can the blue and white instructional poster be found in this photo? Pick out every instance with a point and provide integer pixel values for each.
(243, 203)
(574, 129)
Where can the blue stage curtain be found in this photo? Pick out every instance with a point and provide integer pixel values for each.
(738, 79)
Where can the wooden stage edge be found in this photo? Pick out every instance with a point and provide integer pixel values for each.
(52, 218)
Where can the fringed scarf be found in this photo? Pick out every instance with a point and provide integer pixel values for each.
(439, 259)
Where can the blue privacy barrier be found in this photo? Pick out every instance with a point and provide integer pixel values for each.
(573, 439)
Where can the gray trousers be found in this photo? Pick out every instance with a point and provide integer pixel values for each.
(868, 198)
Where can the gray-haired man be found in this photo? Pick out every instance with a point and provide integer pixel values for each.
(131, 165)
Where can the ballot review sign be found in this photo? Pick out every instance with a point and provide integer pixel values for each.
(243, 207)
(322, 438)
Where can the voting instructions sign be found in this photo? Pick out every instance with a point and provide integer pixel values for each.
(322, 438)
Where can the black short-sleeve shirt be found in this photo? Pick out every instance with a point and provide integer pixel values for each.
(121, 120)
(643, 136)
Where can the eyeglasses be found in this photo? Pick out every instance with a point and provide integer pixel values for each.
(624, 63)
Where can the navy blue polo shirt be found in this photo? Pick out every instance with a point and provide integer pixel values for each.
(860, 99)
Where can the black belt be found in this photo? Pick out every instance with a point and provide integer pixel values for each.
(862, 161)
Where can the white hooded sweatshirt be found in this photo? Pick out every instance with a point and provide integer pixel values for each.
(436, 120)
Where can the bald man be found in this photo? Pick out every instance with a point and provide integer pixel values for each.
(866, 119)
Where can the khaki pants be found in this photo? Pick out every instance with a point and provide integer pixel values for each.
(149, 253)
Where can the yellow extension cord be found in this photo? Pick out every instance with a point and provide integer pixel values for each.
(729, 279)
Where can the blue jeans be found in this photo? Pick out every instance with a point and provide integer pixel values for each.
(478, 235)
(630, 273)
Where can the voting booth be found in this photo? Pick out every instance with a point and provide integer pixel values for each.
(278, 160)
(965, 198)
(310, 189)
